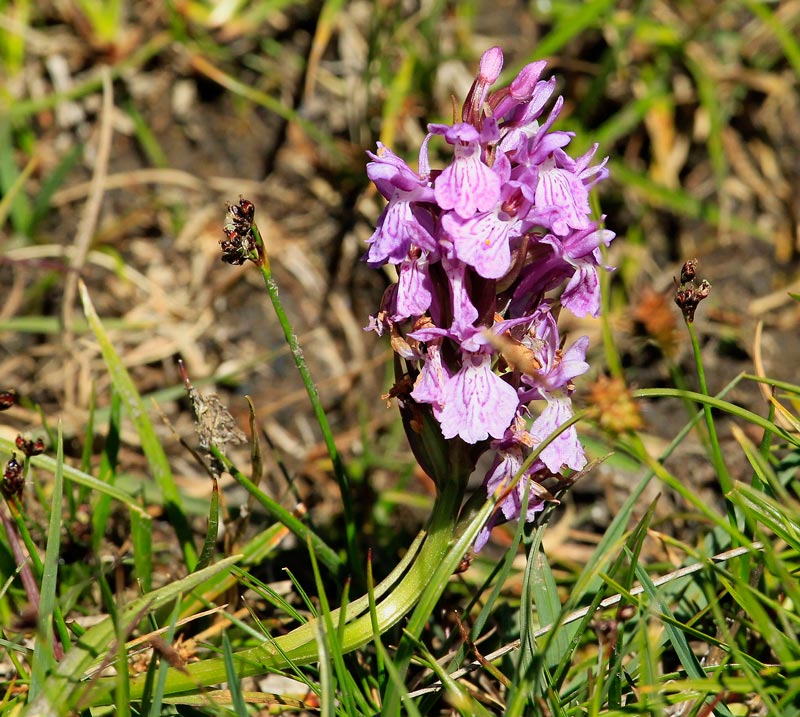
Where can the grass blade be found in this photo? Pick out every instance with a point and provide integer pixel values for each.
(234, 685)
(212, 532)
(774, 515)
(676, 637)
(396, 687)
(64, 686)
(142, 539)
(107, 472)
(577, 20)
(548, 605)
(163, 664)
(14, 202)
(46, 649)
(151, 446)
(327, 556)
(76, 476)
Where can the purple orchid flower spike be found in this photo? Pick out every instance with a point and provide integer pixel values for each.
(487, 248)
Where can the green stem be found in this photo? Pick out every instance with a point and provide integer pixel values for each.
(725, 481)
(327, 555)
(311, 389)
(33, 552)
(299, 647)
(725, 406)
(636, 448)
(792, 388)
(678, 380)
(16, 511)
(610, 351)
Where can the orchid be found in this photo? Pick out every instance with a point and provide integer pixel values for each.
(488, 250)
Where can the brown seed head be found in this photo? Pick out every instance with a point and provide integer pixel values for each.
(238, 245)
(7, 399)
(689, 270)
(688, 295)
(29, 446)
(13, 479)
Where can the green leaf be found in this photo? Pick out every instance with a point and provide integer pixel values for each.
(210, 543)
(64, 686)
(107, 472)
(437, 578)
(142, 539)
(43, 655)
(234, 683)
(76, 476)
(675, 634)
(548, 604)
(151, 445)
(782, 519)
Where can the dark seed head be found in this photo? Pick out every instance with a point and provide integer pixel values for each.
(7, 399)
(688, 295)
(689, 270)
(29, 446)
(13, 479)
(247, 209)
(239, 245)
(234, 258)
(242, 215)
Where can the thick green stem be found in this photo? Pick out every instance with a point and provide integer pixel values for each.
(300, 646)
